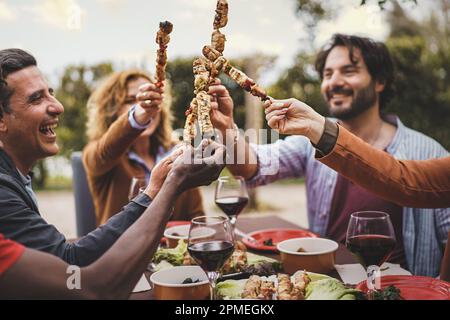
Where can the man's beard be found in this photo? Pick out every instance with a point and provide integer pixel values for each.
(363, 100)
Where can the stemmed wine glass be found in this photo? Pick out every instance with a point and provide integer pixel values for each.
(210, 244)
(231, 197)
(138, 184)
(371, 238)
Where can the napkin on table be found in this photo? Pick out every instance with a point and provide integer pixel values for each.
(355, 273)
(142, 285)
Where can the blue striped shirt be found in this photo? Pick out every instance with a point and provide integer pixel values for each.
(424, 230)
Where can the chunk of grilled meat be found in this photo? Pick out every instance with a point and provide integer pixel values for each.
(210, 53)
(162, 39)
(221, 17)
(204, 119)
(218, 41)
(267, 290)
(252, 288)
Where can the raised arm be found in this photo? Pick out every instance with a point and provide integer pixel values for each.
(222, 118)
(408, 183)
(39, 275)
(100, 156)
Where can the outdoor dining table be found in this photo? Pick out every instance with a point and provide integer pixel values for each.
(250, 224)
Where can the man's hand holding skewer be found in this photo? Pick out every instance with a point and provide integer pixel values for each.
(294, 117)
(221, 107)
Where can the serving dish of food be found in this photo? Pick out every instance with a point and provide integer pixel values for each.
(241, 262)
(302, 285)
(180, 283)
(267, 240)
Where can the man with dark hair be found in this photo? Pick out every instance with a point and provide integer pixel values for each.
(376, 57)
(357, 78)
(11, 60)
(30, 114)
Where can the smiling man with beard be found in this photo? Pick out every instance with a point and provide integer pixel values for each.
(357, 83)
(357, 76)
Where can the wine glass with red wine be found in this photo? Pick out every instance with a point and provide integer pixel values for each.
(211, 244)
(371, 238)
(231, 196)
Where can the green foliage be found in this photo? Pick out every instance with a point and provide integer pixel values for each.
(300, 82)
(311, 12)
(382, 3)
(75, 87)
(319, 9)
(56, 183)
(422, 59)
(40, 175)
(179, 72)
(389, 293)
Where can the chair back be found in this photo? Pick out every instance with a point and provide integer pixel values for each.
(84, 206)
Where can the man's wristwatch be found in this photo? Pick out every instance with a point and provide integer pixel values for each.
(328, 139)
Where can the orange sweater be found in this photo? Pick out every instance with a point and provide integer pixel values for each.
(423, 184)
(109, 173)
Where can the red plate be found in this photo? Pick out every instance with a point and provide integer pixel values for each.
(277, 235)
(415, 287)
(171, 224)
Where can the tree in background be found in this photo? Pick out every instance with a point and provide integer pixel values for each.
(311, 12)
(421, 53)
(300, 81)
(179, 72)
(75, 87)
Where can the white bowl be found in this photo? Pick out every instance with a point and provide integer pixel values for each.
(168, 284)
(174, 234)
(319, 255)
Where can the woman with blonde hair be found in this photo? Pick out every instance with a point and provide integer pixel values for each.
(129, 131)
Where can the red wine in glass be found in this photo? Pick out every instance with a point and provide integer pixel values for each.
(371, 250)
(232, 206)
(231, 196)
(371, 238)
(211, 255)
(210, 244)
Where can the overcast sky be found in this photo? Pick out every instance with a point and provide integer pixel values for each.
(62, 32)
